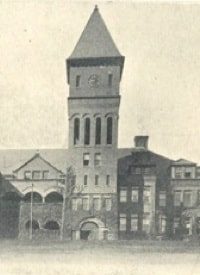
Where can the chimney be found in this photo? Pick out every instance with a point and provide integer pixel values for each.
(141, 142)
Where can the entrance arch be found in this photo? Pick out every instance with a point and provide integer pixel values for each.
(92, 229)
(89, 231)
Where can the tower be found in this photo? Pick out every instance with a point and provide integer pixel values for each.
(94, 72)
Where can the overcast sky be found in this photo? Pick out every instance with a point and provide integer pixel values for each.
(160, 87)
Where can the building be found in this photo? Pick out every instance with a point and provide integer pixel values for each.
(9, 209)
(116, 193)
(185, 191)
(143, 192)
(94, 71)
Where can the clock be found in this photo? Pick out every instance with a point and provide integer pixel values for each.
(93, 81)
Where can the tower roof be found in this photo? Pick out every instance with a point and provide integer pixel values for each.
(95, 40)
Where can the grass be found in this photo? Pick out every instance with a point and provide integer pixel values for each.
(130, 246)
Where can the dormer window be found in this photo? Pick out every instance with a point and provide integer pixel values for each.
(78, 81)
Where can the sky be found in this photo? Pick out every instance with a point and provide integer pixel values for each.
(160, 87)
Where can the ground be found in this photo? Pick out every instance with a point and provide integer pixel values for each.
(111, 258)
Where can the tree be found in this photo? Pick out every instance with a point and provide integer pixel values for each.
(70, 189)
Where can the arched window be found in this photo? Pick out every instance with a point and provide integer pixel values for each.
(36, 197)
(54, 197)
(109, 130)
(76, 130)
(52, 225)
(87, 131)
(34, 223)
(98, 131)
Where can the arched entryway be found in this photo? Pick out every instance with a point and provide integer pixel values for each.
(91, 229)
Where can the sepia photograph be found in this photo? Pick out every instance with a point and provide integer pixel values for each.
(99, 137)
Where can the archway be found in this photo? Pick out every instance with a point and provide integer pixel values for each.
(54, 197)
(89, 231)
(52, 225)
(37, 198)
(35, 225)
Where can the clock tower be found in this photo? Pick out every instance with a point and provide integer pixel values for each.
(94, 71)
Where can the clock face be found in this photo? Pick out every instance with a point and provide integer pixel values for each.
(93, 81)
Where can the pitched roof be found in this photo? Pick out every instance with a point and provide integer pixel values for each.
(127, 157)
(37, 155)
(183, 162)
(95, 40)
(12, 159)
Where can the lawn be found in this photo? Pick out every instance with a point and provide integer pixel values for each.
(109, 258)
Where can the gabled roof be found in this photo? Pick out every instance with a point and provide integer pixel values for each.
(183, 162)
(37, 155)
(95, 40)
(129, 157)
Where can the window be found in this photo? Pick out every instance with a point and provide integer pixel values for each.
(147, 199)
(138, 170)
(87, 131)
(162, 199)
(97, 204)
(176, 225)
(110, 79)
(108, 180)
(188, 172)
(86, 159)
(85, 180)
(178, 172)
(97, 159)
(146, 196)
(76, 131)
(162, 224)
(98, 131)
(187, 225)
(109, 130)
(27, 175)
(108, 204)
(146, 223)
(123, 194)
(122, 222)
(74, 204)
(96, 180)
(36, 175)
(85, 204)
(198, 197)
(45, 174)
(78, 81)
(134, 222)
(177, 198)
(134, 194)
(147, 170)
(187, 198)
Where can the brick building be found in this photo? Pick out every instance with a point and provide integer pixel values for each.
(120, 193)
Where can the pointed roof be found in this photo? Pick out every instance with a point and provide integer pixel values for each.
(37, 155)
(95, 40)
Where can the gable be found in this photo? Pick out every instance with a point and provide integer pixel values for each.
(37, 168)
